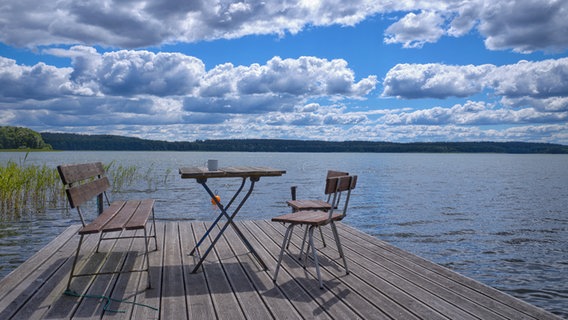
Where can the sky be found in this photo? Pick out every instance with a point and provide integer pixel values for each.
(397, 71)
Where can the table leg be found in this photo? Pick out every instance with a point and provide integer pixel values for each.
(231, 223)
(223, 210)
(241, 235)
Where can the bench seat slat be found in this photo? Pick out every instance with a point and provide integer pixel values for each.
(99, 223)
(140, 217)
(120, 220)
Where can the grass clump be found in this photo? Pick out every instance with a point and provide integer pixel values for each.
(28, 188)
(34, 188)
(120, 176)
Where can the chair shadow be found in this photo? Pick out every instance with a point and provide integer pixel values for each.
(211, 278)
(311, 293)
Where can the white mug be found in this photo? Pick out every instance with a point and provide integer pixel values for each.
(212, 165)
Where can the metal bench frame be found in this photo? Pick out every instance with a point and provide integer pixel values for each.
(84, 182)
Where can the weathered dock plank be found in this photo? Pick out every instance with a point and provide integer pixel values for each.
(384, 282)
(142, 297)
(26, 286)
(497, 301)
(197, 293)
(332, 300)
(224, 299)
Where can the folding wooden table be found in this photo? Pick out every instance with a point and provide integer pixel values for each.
(201, 174)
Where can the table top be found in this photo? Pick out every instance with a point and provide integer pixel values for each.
(229, 172)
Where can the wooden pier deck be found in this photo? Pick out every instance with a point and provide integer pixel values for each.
(384, 282)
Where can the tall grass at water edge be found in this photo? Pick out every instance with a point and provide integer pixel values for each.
(31, 189)
(28, 189)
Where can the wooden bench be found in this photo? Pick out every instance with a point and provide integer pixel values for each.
(84, 182)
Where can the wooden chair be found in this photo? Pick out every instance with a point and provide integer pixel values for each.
(315, 218)
(311, 204)
(84, 182)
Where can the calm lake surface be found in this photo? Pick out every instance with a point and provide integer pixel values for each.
(498, 218)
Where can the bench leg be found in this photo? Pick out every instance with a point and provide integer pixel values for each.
(146, 253)
(74, 262)
(154, 227)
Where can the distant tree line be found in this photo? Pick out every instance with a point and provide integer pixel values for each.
(67, 141)
(21, 138)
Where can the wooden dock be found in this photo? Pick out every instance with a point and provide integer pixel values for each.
(384, 282)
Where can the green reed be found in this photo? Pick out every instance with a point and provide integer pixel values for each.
(34, 188)
(28, 188)
(120, 176)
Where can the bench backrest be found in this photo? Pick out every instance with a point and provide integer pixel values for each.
(83, 182)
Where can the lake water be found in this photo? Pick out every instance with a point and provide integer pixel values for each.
(498, 218)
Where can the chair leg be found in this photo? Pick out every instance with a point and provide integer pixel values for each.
(290, 238)
(287, 234)
(339, 247)
(303, 243)
(308, 246)
(74, 262)
(322, 238)
(314, 251)
(100, 239)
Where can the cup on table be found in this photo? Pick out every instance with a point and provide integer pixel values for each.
(212, 165)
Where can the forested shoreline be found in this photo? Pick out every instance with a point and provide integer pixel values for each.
(66, 141)
(16, 138)
(21, 138)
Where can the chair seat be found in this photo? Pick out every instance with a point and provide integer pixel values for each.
(309, 217)
(299, 205)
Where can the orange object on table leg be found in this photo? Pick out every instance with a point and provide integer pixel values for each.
(218, 200)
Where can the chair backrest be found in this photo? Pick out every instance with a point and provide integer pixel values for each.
(333, 174)
(330, 174)
(335, 187)
(84, 182)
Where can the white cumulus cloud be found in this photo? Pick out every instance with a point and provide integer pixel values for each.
(411, 81)
(142, 87)
(523, 26)
(414, 30)
(546, 79)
